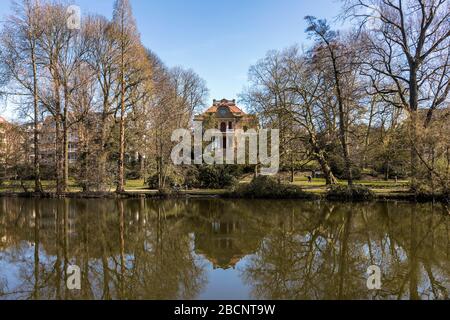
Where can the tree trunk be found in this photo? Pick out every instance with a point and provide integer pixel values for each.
(368, 132)
(329, 176)
(101, 183)
(65, 139)
(59, 157)
(83, 160)
(65, 150)
(343, 135)
(343, 119)
(121, 169)
(414, 158)
(59, 141)
(387, 173)
(413, 105)
(448, 169)
(37, 161)
(103, 153)
(121, 173)
(320, 157)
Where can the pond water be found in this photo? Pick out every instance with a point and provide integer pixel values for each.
(222, 249)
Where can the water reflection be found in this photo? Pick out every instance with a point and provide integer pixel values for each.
(143, 249)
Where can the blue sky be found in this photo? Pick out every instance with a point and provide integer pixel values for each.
(219, 39)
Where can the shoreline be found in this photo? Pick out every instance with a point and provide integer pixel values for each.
(218, 194)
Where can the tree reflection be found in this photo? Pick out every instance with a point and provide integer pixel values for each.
(144, 249)
(140, 252)
(326, 255)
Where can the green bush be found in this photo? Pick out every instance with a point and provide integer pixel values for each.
(217, 177)
(338, 168)
(191, 177)
(356, 173)
(347, 193)
(337, 165)
(370, 172)
(152, 182)
(265, 187)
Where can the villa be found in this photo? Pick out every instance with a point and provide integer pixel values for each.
(227, 117)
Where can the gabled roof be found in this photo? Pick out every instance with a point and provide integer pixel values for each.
(231, 104)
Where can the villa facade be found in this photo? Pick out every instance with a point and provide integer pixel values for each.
(226, 116)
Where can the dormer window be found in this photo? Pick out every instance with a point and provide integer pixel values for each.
(223, 112)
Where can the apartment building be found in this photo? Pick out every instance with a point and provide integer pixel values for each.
(47, 142)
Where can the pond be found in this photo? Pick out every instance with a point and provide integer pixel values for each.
(222, 249)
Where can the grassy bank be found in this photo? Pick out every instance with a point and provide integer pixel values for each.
(383, 190)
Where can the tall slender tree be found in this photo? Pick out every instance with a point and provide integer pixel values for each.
(20, 45)
(327, 39)
(62, 53)
(102, 57)
(128, 40)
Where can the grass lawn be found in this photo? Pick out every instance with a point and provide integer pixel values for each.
(375, 184)
(14, 186)
(137, 186)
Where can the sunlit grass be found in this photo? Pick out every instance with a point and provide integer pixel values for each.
(316, 186)
(135, 185)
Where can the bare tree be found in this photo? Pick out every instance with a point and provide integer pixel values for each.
(330, 48)
(102, 56)
(128, 40)
(191, 93)
(407, 45)
(19, 40)
(177, 95)
(286, 89)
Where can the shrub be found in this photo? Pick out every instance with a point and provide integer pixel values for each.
(370, 172)
(339, 170)
(152, 182)
(347, 193)
(356, 173)
(166, 193)
(265, 187)
(191, 178)
(217, 177)
(337, 165)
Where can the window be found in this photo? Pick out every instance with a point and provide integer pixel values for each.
(230, 125)
(223, 112)
(223, 127)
